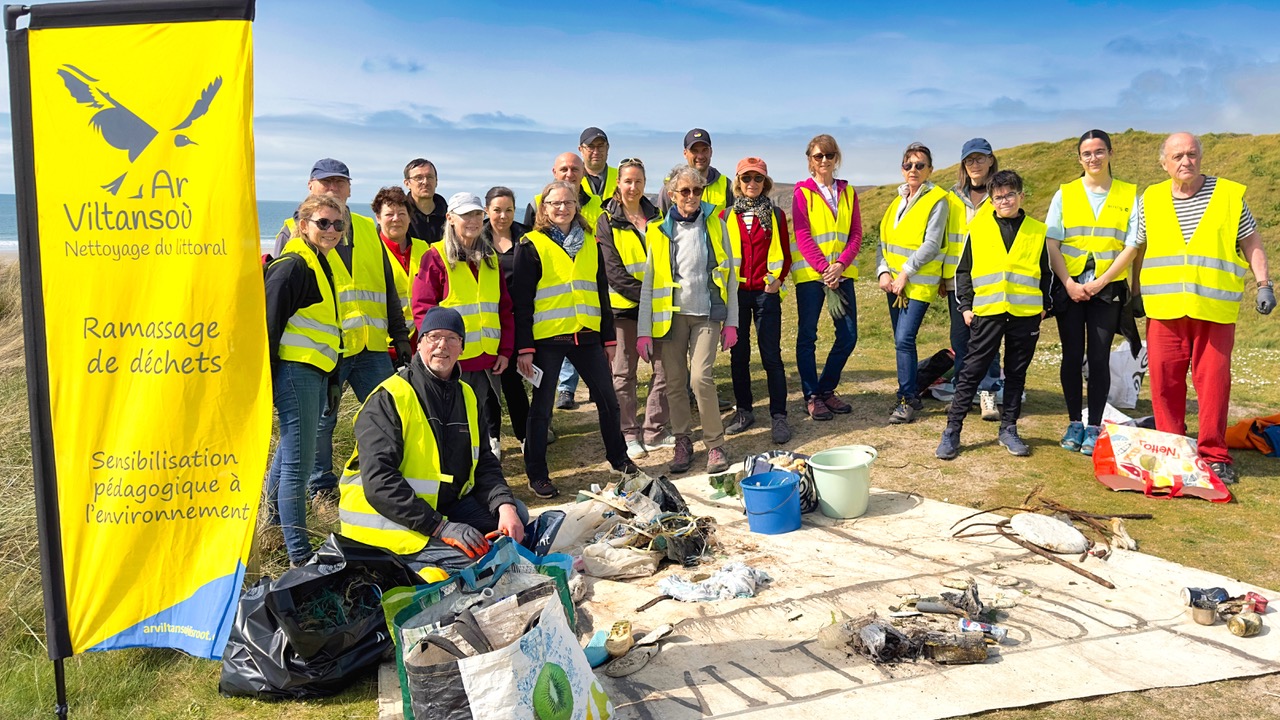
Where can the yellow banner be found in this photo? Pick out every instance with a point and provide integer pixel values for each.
(160, 393)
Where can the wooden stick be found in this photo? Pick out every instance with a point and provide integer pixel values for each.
(1050, 556)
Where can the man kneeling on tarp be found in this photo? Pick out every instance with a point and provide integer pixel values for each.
(420, 483)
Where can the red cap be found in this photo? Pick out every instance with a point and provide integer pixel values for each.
(752, 163)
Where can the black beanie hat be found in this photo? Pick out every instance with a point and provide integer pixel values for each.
(443, 318)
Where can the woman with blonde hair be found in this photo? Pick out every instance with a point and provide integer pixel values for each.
(828, 236)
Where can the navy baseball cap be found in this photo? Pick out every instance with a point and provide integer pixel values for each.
(591, 134)
(696, 135)
(329, 168)
(976, 145)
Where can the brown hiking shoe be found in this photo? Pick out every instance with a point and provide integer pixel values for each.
(683, 459)
(817, 409)
(836, 405)
(717, 460)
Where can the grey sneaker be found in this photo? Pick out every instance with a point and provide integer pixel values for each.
(742, 420)
(551, 435)
(717, 460)
(781, 432)
(683, 459)
(666, 440)
(949, 448)
(565, 401)
(902, 414)
(987, 401)
(636, 450)
(1014, 444)
(1225, 472)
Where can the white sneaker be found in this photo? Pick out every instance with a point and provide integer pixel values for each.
(987, 400)
(636, 450)
(666, 441)
(496, 446)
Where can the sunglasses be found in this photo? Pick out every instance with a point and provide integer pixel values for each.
(689, 191)
(823, 156)
(753, 178)
(631, 162)
(914, 165)
(326, 224)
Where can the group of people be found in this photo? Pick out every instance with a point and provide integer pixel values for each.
(472, 306)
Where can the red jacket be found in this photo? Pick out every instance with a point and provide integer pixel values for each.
(432, 285)
(755, 250)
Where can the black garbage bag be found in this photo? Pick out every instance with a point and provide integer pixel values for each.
(939, 366)
(540, 533)
(663, 492)
(316, 628)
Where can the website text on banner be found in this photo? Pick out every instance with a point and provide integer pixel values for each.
(159, 392)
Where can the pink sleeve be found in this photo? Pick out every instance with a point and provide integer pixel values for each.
(804, 240)
(429, 286)
(855, 235)
(507, 316)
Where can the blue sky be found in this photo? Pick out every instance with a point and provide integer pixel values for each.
(492, 91)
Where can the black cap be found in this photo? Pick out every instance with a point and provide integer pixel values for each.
(443, 318)
(328, 168)
(590, 134)
(696, 135)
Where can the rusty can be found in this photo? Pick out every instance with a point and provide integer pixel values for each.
(1246, 624)
(1258, 603)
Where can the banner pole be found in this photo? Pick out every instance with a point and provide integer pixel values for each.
(60, 688)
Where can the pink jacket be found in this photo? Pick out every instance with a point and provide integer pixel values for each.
(804, 238)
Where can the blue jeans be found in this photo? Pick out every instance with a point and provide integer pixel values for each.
(809, 299)
(960, 345)
(364, 372)
(906, 325)
(298, 392)
(568, 378)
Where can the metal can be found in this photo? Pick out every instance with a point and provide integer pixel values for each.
(997, 633)
(1190, 596)
(1259, 603)
(1246, 624)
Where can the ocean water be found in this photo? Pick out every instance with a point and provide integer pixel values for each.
(271, 213)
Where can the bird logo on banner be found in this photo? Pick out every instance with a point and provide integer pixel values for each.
(121, 127)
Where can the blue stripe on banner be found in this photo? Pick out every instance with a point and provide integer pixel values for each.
(198, 626)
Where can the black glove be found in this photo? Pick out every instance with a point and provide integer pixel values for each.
(463, 537)
(404, 353)
(333, 395)
(1266, 300)
(1135, 304)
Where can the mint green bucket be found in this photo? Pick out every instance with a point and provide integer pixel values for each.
(843, 478)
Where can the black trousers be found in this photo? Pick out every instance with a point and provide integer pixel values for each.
(1020, 335)
(593, 368)
(765, 311)
(517, 399)
(1091, 324)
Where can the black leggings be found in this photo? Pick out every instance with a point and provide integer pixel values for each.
(1093, 323)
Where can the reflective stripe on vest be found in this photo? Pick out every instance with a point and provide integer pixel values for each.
(477, 301)
(723, 275)
(632, 251)
(773, 261)
(899, 242)
(404, 278)
(312, 335)
(567, 299)
(829, 231)
(1102, 236)
(1006, 281)
(362, 294)
(957, 232)
(420, 466)
(1204, 277)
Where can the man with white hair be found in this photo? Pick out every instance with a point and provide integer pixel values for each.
(1198, 241)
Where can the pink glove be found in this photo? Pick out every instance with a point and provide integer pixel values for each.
(644, 347)
(728, 337)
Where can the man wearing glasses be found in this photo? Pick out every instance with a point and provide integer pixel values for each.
(420, 483)
(426, 213)
(601, 180)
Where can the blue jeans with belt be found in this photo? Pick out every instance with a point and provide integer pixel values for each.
(906, 326)
(298, 392)
(364, 372)
(810, 296)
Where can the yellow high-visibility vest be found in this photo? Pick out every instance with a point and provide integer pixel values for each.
(900, 241)
(1202, 278)
(477, 301)
(1102, 236)
(567, 299)
(632, 251)
(404, 278)
(312, 334)
(1006, 281)
(773, 261)
(591, 210)
(723, 275)
(830, 232)
(717, 193)
(958, 231)
(610, 185)
(420, 467)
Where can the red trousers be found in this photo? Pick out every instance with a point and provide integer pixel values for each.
(1172, 345)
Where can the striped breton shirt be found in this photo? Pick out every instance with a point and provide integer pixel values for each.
(1190, 210)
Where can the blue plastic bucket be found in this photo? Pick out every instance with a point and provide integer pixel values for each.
(773, 502)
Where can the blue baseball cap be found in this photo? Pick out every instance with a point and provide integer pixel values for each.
(976, 145)
(329, 168)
